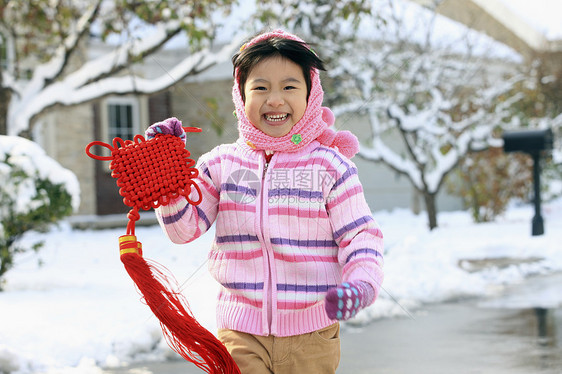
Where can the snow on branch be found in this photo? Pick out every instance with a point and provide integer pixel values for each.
(427, 108)
(429, 111)
(124, 56)
(75, 88)
(61, 76)
(46, 73)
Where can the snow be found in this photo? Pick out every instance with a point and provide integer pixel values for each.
(79, 311)
(32, 159)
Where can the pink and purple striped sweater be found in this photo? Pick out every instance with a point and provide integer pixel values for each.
(286, 232)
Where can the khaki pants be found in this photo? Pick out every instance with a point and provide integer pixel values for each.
(315, 353)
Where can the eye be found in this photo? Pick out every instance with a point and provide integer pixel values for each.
(259, 88)
(290, 88)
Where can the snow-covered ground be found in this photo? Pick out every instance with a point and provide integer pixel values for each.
(78, 311)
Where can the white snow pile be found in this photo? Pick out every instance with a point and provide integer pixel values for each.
(30, 158)
(78, 311)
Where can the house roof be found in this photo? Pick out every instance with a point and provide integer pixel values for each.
(509, 22)
(543, 15)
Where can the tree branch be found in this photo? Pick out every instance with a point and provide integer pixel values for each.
(379, 152)
(71, 90)
(122, 58)
(71, 42)
(403, 133)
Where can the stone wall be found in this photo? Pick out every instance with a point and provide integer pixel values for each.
(208, 106)
(64, 134)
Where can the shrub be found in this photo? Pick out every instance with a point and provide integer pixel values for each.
(35, 192)
(487, 181)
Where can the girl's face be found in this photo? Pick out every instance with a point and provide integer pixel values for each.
(275, 93)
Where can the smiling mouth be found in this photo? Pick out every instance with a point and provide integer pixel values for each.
(276, 117)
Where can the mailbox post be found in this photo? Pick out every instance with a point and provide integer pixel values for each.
(534, 143)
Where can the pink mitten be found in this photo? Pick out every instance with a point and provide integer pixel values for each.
(343, 302)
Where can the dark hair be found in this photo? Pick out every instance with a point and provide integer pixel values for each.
(296, 51)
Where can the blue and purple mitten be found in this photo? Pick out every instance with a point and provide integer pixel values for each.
(171, 126)
(343, 302)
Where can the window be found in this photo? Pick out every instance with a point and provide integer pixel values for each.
(122, 118)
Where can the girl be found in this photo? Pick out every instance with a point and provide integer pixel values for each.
(296, 247)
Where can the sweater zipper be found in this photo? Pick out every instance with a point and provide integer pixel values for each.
(269, 298)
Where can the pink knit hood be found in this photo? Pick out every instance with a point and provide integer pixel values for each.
(314, 125)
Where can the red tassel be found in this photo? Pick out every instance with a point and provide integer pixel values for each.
(183, 333)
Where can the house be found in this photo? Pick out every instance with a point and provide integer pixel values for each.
(205, 101)
(64, 133)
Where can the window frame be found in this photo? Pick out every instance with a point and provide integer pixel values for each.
(131, 101)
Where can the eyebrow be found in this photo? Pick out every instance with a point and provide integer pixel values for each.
(286, 80)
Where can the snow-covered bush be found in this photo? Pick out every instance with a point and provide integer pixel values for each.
(35, 191)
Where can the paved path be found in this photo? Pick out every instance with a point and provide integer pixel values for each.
(514, 333)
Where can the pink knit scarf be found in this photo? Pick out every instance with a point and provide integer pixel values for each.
(314, 125)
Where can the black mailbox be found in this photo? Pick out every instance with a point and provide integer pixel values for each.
(530, 141)
(533, 142)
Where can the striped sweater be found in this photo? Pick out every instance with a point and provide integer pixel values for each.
(286, 232)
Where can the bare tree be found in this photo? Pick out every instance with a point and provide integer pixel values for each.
(427, 104)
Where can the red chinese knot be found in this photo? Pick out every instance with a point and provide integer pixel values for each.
(151, 173)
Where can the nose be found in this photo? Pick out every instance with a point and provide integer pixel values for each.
(275, 99)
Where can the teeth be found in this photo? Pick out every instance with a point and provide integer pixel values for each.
(276, 117)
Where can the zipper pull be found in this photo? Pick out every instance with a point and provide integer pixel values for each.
(265, 170)
(267, 160)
